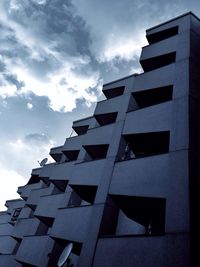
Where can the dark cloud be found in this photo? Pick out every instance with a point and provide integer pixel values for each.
(12, 79)
(37, 139)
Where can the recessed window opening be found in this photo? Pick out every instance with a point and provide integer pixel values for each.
(85, 192)
(95, 152)
(106, 118)
(151, 97)
(158, 62)
(113, 92)
(74, 200)
(143, 145)
(71, 155)
(15, 215)
(162, 35)
(145, 212)
(80, 130)
(34, 179)
(56, 156)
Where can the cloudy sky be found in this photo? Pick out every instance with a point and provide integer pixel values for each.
(54, 57)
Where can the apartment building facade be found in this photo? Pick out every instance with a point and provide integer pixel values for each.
(124, 191)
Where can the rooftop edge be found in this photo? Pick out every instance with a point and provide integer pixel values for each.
(170, 20)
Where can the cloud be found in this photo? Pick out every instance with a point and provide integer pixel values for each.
(41, 51)
(37, 139)
(118, 27)
(48, 42)
(8, 189)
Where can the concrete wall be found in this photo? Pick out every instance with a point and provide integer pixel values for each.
(165, 251)
(34, 250)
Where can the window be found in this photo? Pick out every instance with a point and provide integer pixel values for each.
(113, 92)
(158, 61)
(15, 215)
(143, 145)
(80, 130)
(74, 200)
(86, 192)
(147, 213)
(95, 152)
(71, 155)
(150, 97)
(161, 35)
(106, 118)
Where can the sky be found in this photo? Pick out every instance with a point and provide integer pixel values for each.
(55, 55)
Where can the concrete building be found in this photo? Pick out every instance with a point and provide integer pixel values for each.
(125, 191)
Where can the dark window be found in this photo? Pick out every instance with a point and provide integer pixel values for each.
(86, 192)
(158, 62)
(143, 145)
(56, 156)
(80, 130)
(96, 151)
(146, 211)
(150, 97)
(161, 35)
(71, 154)
(113, 92)
(34, 179)
(106, 118)
(74, 200)
(15, 215)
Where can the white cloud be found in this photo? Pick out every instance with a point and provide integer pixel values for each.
(54, 64)
(123, 48)
(29, 105)
(10, 181)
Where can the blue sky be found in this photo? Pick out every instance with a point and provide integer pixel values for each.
(54, 57)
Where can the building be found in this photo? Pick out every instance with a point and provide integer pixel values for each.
(125, 190)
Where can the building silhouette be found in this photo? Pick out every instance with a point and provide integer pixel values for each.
(125, 190)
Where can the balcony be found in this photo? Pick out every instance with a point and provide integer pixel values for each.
(95, 152)
(27, 189)
(158, 61)
(47, 170)
(53, 202)
(5, 229)
(156, 248)
(150, 97)
(14, 204)
(85, 192)
(106, 118)
(99, 135)
(162, 35)
(157, 176)
(25, 213)
(4, 217)
(113, 91)
(73, 143)
(87, 173)
(74, 230)
(25, 227)
(107, 110)
(72, 155)
(150, 79)
(56, 153)
(34, 250)
(153, 118)
(7, 245)
(35, 195)
(36, 171)
(141, 145)
(81, 126)
(159, 49)
(8, 261)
